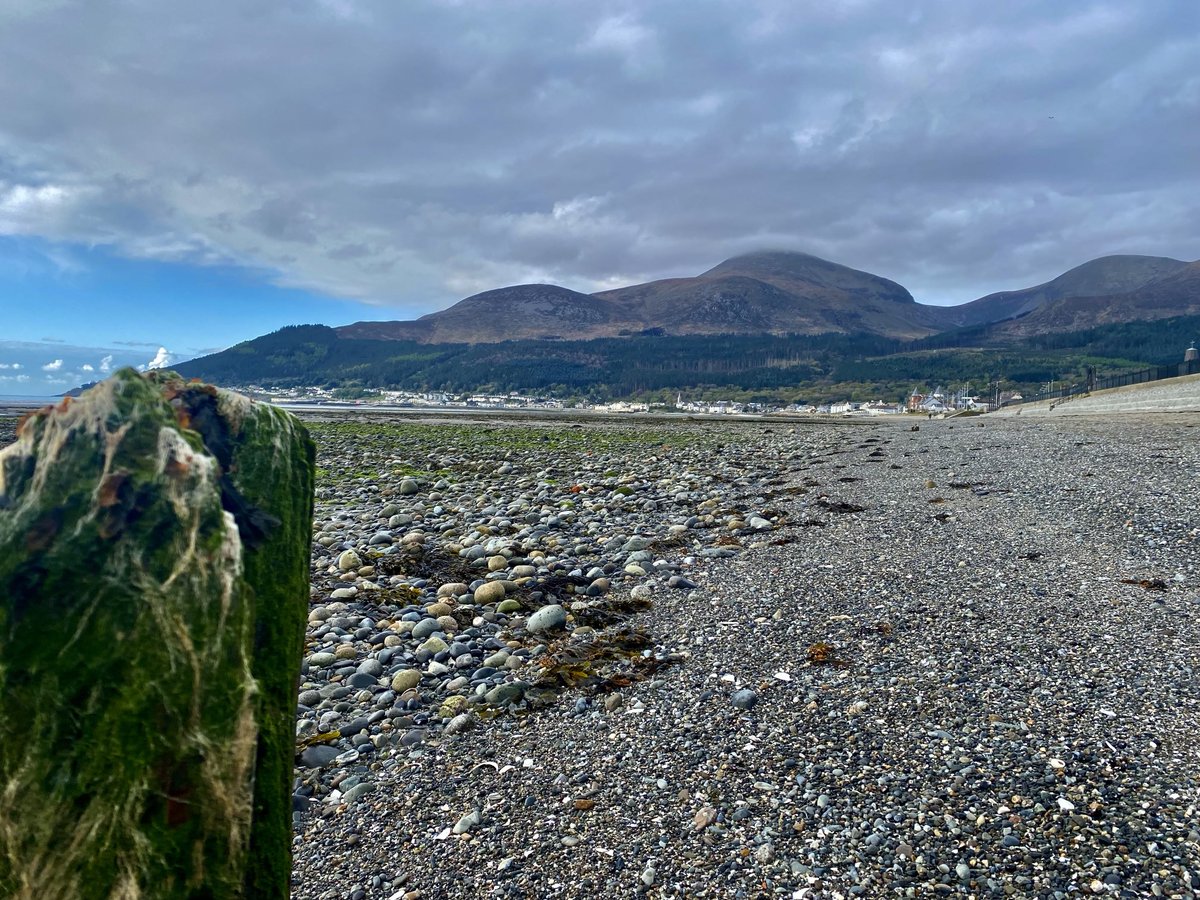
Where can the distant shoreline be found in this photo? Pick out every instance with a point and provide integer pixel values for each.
(19, 403)
(11, 405)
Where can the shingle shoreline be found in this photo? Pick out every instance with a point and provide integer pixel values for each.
(1011, 719)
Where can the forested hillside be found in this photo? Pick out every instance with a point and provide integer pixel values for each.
(809, 367)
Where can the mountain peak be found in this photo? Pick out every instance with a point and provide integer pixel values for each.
(1105, 276)
(770, 262)
(1114, 274)
(765, 292)
(790, 270)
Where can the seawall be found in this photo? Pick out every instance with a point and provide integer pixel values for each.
(1168, 395)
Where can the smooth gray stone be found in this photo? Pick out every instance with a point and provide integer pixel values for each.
(320, 755)
(548, 618)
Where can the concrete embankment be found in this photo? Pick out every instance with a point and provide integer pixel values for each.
(1169, 395)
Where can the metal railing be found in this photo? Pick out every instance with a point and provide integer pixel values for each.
(1151, 373)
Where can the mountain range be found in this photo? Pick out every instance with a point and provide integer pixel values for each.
(786, 293)
(773, 325)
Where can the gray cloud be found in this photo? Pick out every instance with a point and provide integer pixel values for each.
(408, 154)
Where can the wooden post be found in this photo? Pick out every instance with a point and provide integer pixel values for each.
(154, 542)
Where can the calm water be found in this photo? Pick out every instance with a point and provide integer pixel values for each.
(20, 401)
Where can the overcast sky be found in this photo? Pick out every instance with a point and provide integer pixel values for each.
(262, 162)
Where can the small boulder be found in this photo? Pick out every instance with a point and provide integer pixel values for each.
(489, 592)
(743, 699)
(405, 680)
(548, 618)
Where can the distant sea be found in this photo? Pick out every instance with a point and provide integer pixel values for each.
(24, 401)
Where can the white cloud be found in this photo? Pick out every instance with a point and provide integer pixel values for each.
(25, 209)
(623, 34)
(78, 362)
(162, 359)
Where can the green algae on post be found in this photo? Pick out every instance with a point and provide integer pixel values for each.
(153, 588)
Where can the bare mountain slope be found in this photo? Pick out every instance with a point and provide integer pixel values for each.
(1174, 294)
(760, 293)
(795, 293)
(509, 313)
(777, 293)
(1102, 277)
(801, 272)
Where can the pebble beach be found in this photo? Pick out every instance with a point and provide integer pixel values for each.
(719, 659)
(605, 657)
